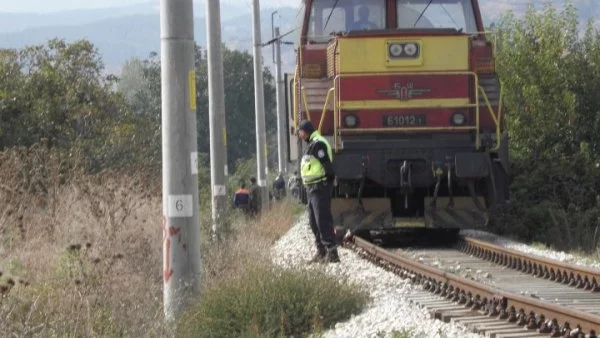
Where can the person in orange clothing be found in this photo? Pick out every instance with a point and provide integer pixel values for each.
(241, 199)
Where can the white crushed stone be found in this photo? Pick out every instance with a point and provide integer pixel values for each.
(389, 311)
(560, 256)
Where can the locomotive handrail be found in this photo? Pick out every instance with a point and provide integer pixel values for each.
(476, 105)
(388, 105)
(305, 101)
(362, 130)
(335, 119)
(496, 119)
(329, 92)
(402, 129)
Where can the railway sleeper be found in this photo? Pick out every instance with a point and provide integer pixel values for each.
(541, 270)
(496, 307)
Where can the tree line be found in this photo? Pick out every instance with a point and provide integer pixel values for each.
(58, 94)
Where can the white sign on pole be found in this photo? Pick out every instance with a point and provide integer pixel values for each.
(180, 206)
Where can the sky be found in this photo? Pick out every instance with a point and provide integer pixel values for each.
(44, 6)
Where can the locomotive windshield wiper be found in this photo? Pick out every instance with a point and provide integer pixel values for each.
(330, 13)
(423, 12)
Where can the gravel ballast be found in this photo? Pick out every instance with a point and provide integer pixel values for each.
(389, 309)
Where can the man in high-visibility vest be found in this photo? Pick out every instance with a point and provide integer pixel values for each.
(316, 170)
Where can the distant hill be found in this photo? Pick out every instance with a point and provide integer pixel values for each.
(116, 38)
(15, 22)
(134, 31)
(119, 38)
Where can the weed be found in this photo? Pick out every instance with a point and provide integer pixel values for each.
(272, 302)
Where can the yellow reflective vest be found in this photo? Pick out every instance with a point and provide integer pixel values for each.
(311, 169)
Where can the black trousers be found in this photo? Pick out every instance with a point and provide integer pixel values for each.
(319, 215)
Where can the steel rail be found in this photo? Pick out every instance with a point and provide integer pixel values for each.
(573, 275)
(514, 308)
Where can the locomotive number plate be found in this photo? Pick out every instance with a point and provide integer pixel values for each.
(404, 120)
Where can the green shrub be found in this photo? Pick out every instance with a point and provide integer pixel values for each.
(554, 202)
(272, 302)
(551, 109)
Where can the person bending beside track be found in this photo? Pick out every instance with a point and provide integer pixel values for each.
(318, 175)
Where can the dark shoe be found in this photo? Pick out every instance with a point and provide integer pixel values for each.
(319, 257)
(332, 256)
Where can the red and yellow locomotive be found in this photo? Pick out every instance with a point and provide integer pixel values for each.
(407, 93)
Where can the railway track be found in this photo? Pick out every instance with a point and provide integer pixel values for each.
(495, 291)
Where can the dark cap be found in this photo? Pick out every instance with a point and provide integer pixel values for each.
(307, 126)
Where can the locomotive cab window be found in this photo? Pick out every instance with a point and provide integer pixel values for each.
(333, 16)
(454, 14)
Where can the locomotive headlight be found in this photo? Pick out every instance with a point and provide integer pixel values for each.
(410, 49)
(396, 49)
(458, 119)
(351, 121)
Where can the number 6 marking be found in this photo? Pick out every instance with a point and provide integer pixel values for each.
(180, 206)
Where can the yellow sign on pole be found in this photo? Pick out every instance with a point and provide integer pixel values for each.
(192, 86)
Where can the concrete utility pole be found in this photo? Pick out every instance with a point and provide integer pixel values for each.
(259, 106)
(216, 99)
(281, 116)
(180, 226)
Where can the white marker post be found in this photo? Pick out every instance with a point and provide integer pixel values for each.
(180, 225)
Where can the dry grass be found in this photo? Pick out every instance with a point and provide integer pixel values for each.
(81, 255)
(85, 250)
(248, 246)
